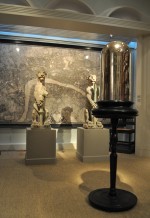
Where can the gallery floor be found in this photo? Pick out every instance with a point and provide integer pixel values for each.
(60, 190)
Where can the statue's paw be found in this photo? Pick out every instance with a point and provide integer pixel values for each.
(47, 124)
(35, 125)
(99, 125)
(85, 126)
(89, 125)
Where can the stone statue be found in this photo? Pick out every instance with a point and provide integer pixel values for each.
(92, 94)
(40, 114)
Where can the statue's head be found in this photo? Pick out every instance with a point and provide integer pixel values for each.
(92, 78)
(41, 76)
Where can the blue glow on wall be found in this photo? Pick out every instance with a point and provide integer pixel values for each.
(131, 44)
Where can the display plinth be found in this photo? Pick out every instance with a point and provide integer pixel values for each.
(112, 199)
(40, 146)
(92, 144)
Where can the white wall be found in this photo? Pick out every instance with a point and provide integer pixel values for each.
(12, 139)
(15, 139)
(143, 97)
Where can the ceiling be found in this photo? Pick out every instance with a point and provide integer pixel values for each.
(66, 6)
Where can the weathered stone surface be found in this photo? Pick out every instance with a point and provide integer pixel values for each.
(67, 70)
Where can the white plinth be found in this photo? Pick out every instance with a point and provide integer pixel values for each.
(92, 144)
(40, 146)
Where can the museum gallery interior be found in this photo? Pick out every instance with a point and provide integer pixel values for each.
(74, 109)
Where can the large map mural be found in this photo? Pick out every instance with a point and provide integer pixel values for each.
(67, 71)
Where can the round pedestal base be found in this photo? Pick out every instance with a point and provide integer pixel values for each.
(101, 199)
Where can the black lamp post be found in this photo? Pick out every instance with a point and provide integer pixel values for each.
(115, 104)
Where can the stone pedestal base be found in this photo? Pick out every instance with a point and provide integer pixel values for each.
(92, 144)
(40, 146)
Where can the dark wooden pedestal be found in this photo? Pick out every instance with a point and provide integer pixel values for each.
(112, 199)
